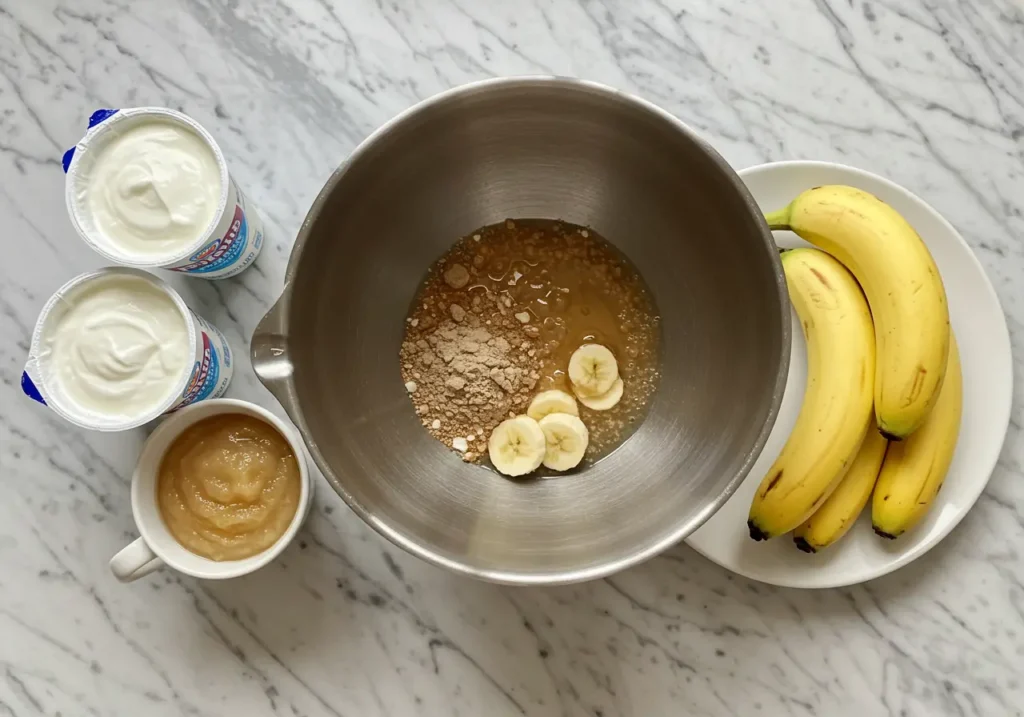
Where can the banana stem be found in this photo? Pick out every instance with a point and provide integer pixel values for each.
(778, 220)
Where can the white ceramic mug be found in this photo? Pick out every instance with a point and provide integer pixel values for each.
(156, 546)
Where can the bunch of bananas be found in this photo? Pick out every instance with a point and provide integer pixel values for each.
(881, 410)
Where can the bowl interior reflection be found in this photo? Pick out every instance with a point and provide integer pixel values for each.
(541, 149)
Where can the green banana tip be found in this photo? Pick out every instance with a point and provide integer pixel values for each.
(779, 219)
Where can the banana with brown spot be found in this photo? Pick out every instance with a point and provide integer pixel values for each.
(915, 469)
(903, 288)
(836, 410)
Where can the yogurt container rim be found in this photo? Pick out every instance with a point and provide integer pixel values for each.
(96, 133)
(84, 419)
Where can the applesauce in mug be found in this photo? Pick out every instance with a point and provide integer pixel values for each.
(228, 487)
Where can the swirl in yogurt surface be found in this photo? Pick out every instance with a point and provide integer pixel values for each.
(151, 189)
(118, 348)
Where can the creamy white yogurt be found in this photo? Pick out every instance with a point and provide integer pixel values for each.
(118, 347)
(148, 187)
(152, 189)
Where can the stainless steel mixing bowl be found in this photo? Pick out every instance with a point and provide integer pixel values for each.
(548, 148)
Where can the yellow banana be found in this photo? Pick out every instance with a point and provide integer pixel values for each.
(835, 516)
(836, 412)
(902, 283)
(914, 469)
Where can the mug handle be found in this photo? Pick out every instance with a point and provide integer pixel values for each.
(134, 561)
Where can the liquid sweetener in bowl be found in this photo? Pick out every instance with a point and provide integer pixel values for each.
(149, 187)
(116, 348)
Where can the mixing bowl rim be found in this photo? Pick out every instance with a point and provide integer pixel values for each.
(395, 534)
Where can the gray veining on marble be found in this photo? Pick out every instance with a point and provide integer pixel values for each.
(927, 92)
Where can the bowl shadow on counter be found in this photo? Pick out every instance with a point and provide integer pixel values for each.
(677, 623)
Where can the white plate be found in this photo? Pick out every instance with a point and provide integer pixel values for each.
(984, 342)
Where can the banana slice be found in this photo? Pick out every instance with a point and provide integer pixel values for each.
(517, 446)
(567, 440)
(605, 400)
(592, 370)
(553, 401)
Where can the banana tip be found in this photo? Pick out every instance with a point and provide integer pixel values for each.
(881, 533)
(755, 532)
(890, 436)
(779, 219)
(804, 545)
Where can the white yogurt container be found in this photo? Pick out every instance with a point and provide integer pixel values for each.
(125, 341)
(148, 187)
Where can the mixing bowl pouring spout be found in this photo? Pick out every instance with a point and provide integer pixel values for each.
(270, 360)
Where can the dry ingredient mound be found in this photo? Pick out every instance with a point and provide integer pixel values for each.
(496, 321)
(466, 377)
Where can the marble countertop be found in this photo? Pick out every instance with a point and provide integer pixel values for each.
(926, 92)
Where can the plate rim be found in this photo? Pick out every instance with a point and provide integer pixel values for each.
(1003, 420)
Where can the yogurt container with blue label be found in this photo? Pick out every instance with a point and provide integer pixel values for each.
(114, 349)
(148, 187)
